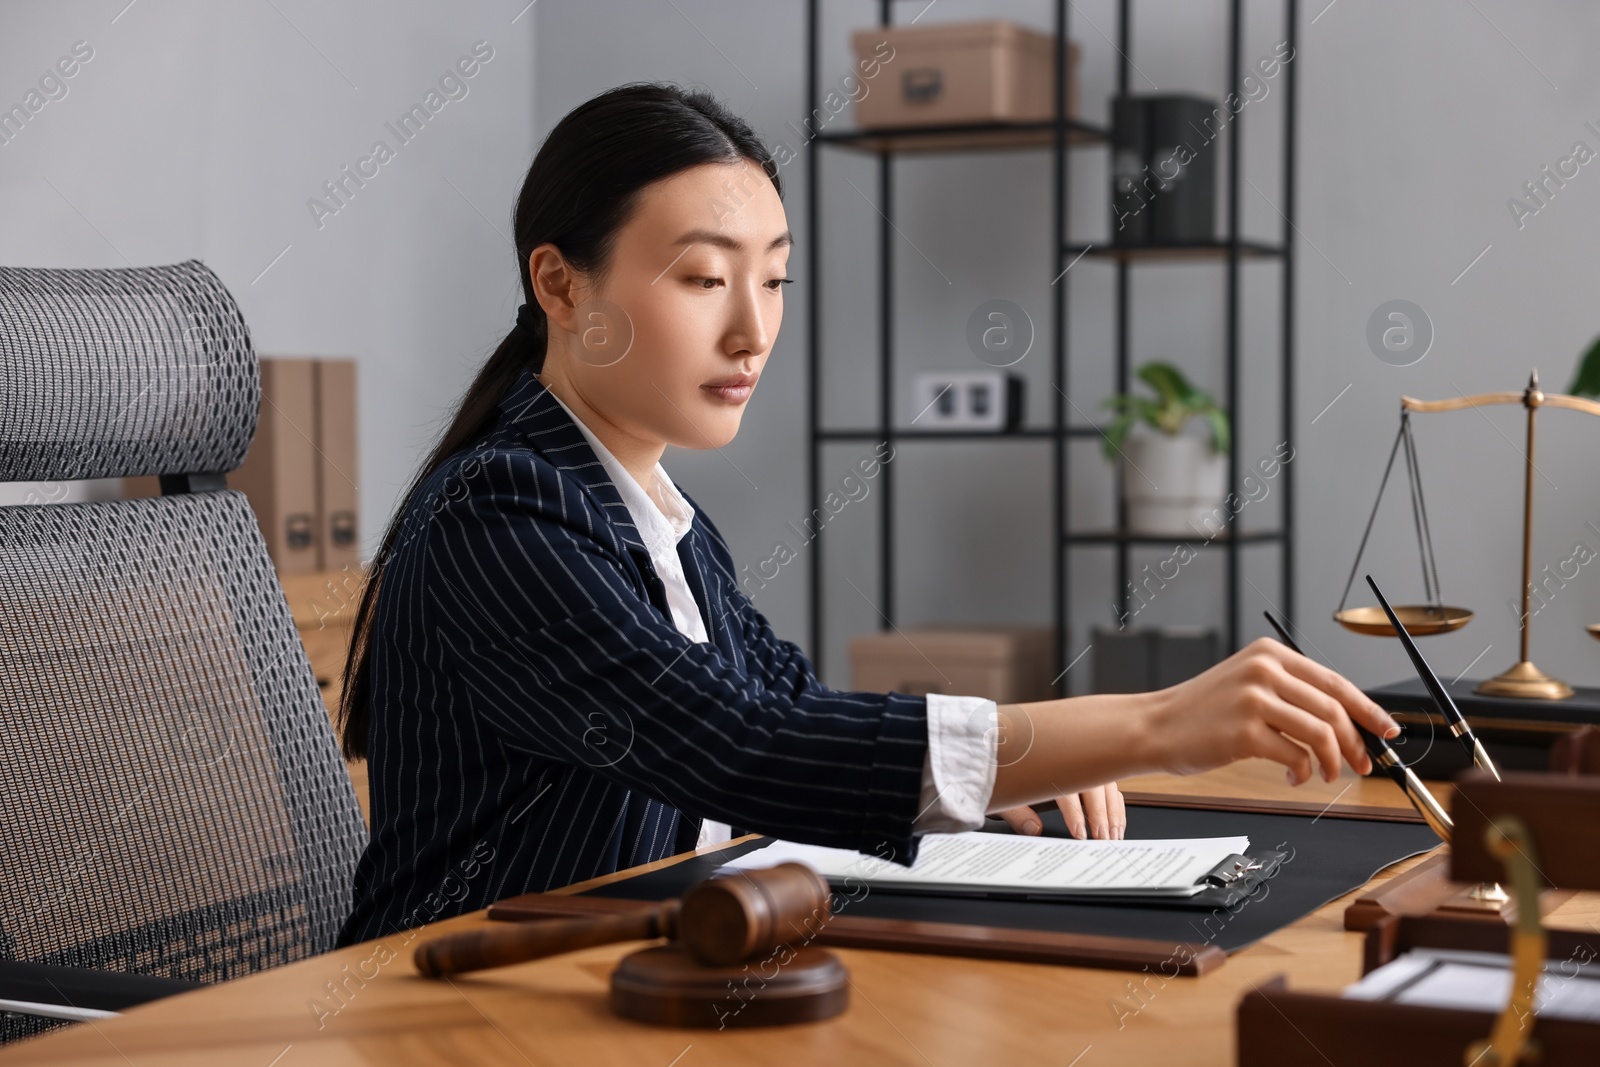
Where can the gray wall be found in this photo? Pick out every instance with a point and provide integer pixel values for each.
(202, 130)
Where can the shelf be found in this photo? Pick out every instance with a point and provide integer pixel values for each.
(1054, 141)
(1206, 250)
(1026, 434)
(1122, 537)
(964, 137)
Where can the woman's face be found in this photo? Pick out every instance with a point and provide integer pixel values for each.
(667, 346)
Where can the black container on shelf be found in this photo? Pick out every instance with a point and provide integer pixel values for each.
(1183, 155)
(1140, 659)
(1164, 173)
(1131, 184)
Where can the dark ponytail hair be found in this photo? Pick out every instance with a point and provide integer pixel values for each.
(580, 190)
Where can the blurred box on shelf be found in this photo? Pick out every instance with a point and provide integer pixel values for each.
(1140, 659)
(338, 529)
(968, 400)
(142, 486)
(1006, 664)
(279, 473)
(958, 72)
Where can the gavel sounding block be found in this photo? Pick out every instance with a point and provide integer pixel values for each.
(741, 957)
(789, 985)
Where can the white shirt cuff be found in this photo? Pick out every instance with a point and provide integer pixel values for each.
(713, 833)
(958, 775)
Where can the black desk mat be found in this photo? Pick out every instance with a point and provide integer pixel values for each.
(1328, 857)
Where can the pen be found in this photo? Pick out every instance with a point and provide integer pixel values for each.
(1384, 755)
(1441, 697)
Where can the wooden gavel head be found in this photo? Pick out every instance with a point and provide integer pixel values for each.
(739, 916)
(719, 922)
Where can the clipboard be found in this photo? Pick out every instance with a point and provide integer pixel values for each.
(1228, 885)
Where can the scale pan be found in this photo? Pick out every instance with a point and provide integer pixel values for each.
(1420, 620)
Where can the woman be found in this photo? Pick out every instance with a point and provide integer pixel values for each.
(554, 673)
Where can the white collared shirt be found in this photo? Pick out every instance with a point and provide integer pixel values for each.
(958, 774)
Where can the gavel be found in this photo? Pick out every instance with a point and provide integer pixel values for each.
(719, 922)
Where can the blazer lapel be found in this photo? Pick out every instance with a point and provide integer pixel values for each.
(531, 411)
(703, 584)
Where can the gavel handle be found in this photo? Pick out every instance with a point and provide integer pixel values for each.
(506, 943)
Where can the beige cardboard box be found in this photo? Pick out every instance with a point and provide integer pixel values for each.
(338, 531)
(959, 72)
(279, 473)
(1004, 663)
(144, 485)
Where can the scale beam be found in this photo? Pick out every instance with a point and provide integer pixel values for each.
(1480, 400)
(1576, 403)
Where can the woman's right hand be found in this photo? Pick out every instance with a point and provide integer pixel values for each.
(1259, 702)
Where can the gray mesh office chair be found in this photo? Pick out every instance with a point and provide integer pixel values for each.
(173, 807)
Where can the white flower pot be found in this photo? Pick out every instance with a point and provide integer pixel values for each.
(1173, 484)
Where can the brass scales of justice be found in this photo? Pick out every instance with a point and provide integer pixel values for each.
(1523, 679)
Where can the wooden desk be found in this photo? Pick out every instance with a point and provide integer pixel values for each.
(915, 1010)
(323, 605)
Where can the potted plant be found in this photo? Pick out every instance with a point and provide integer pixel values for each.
(1172, 481)
(1586, 379)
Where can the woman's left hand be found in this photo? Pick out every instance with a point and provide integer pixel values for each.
(1098, 813)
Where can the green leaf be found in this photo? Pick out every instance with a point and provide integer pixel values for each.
(1116, 432)
(1586, 381)
(1168, 382)
(1148, 410)
(1221, 432)
(1172, 417)
(1137, 409)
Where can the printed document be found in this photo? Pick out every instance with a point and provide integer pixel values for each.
(986, 863)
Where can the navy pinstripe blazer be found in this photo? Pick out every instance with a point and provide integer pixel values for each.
(537, 719)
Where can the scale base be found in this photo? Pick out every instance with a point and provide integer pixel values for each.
(1426, 889)
(1524, 681)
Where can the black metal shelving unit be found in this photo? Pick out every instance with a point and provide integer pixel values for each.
(1059, 137)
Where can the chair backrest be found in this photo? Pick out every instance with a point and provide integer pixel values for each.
(172, 799)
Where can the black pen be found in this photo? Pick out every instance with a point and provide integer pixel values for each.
(1441, 697)
(1384, 755)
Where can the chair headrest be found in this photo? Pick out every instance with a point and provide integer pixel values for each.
(118, 372)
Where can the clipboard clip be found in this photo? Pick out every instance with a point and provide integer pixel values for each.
(1232, 869)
